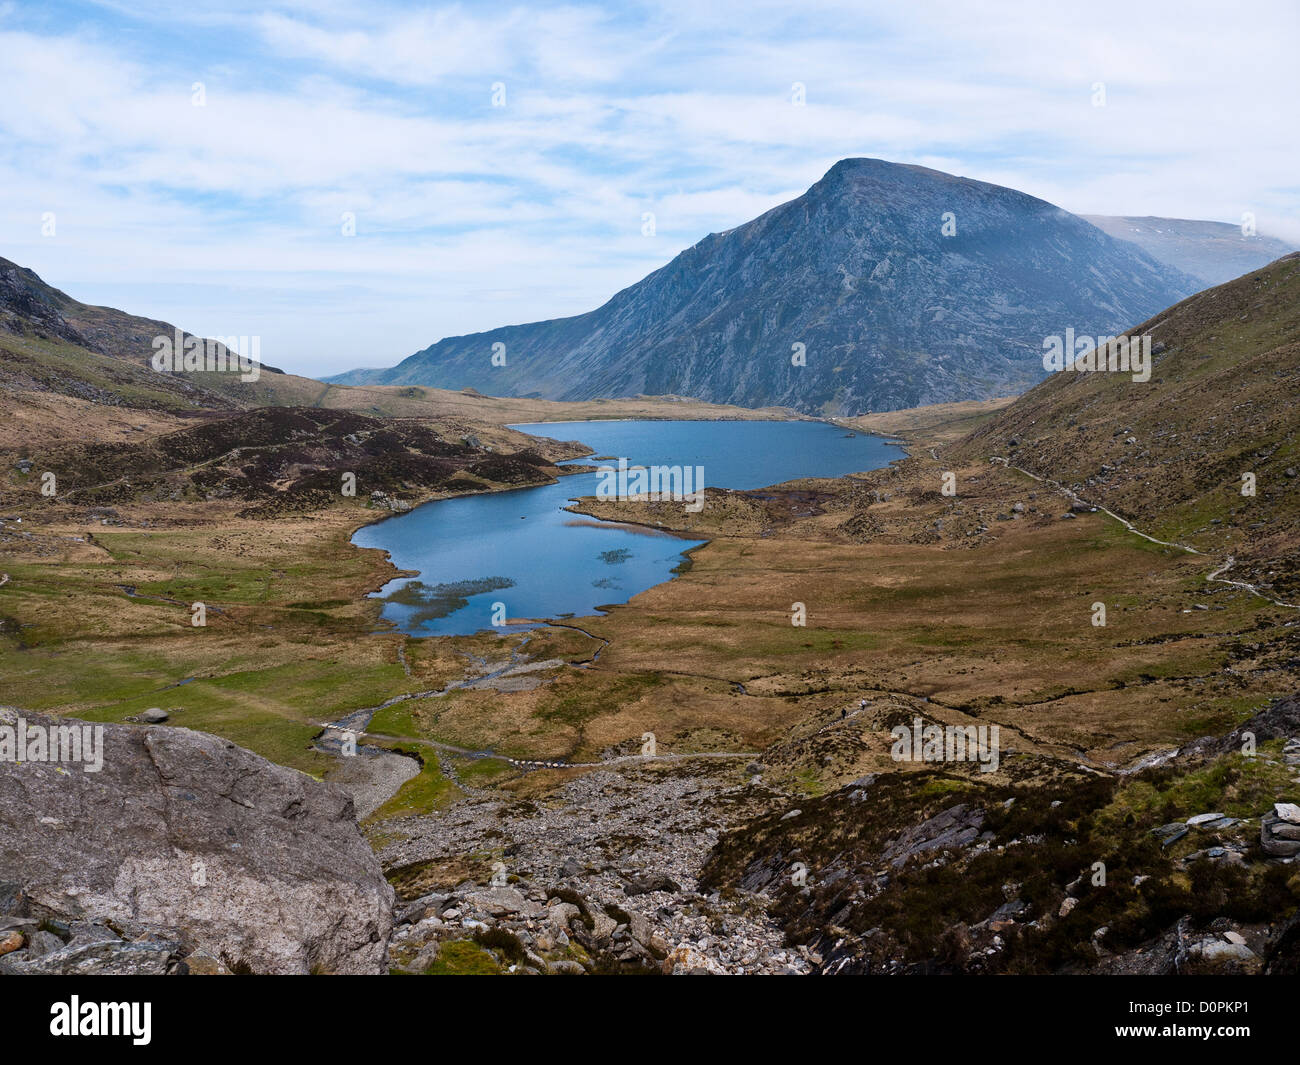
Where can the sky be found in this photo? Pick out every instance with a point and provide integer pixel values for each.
(199, 162)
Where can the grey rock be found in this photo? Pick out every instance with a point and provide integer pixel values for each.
(955, 827)
(504, 901)
(603, 927)
(1271, 845)
(100, 959)
(417, 910)
(1218, 957)
(41, 943)
(642, 930)
(1170, 834)
(259, 864)
(84, 933)
(12, 900)
(427, 956)
(643, 885)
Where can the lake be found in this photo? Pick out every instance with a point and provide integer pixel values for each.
(520, 554)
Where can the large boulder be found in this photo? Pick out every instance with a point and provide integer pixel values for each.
(257, 865)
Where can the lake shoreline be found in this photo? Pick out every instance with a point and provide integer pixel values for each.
(547, 561)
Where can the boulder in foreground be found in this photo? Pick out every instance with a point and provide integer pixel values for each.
(184, 834)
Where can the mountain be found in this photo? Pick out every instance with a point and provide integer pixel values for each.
(56, 353)
(891, 311)
(1212, 252)
(1169, 454)
(50, 342)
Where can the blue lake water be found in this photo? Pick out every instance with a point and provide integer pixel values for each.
(523, 550)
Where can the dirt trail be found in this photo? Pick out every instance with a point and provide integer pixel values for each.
(1212, 577)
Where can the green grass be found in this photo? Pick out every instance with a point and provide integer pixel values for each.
(427, 791)
(396, 720)
(483, 770)
(464, 957)
(1234, 785)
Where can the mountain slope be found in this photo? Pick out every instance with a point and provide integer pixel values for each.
(1169, 454)
(276, 461)
(69, 369)
(892, 312)
(50, 342)
(1212, 252)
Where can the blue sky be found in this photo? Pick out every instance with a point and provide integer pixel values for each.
(227, 218)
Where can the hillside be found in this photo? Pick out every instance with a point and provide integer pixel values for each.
(70, 370)
(278, 460)
(1170, 454)
(891, 311)
(51, 343)
(1212, 252)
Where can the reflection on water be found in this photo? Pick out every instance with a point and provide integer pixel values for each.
(521, 555)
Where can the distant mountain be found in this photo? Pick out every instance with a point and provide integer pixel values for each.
(1212, 252)
(79, 394)
(52, 346)
(890, 310)
(1170, 453)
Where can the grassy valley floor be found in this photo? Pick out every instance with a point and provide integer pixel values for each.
(976, 608)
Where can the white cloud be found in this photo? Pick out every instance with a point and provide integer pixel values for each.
(470, 216)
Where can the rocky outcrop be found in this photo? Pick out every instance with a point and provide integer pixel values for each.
(1279, 831)
(187, 842)
(602, 878)
(1062, 870)
(26, 305)
(954, 828)
(524, 926)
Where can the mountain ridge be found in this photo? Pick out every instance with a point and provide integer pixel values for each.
(905, 286)
(1213, 252)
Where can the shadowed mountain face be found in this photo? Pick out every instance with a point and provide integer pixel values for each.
(891, 310)
(1212, 252)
